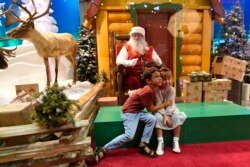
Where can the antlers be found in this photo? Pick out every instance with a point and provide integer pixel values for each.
(10, 7)
(5, 53)
(33, 16)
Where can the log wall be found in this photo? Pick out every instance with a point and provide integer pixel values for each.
(191, 49)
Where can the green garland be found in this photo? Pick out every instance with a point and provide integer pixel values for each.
(55, 108)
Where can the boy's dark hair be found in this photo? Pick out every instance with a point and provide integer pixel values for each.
(148, 72)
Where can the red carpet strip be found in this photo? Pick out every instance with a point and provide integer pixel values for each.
(221, 154)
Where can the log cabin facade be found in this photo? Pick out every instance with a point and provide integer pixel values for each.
(183, 53)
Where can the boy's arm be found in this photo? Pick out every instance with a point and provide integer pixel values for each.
(159, 106)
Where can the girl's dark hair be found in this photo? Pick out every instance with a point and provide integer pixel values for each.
(148, 72)
(165, 72)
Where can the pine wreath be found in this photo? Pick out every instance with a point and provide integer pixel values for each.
(55, 109)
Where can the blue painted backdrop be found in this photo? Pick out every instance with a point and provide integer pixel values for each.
(66, 13)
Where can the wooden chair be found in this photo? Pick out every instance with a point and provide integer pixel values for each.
(120, 69)
(117, 42)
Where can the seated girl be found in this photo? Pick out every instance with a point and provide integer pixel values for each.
(169, 118)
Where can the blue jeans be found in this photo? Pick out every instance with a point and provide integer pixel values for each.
(130, 123)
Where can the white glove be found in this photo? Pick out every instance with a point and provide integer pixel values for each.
(158, 61)
(133, 62)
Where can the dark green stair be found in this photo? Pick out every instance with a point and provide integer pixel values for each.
(206, 122)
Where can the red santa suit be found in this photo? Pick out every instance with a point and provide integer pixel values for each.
(133, 74)
(136, 62)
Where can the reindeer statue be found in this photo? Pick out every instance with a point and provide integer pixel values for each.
(5, 53)
(47, 44)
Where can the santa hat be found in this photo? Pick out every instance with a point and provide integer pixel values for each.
(138, 29)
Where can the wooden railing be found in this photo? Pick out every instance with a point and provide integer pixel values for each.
(72, 143)
(47, 153)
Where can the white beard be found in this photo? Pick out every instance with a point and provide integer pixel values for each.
(140, 46)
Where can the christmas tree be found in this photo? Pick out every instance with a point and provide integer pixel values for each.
(233, 33)
(87, 62)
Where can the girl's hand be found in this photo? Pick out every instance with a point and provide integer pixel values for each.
(167, 121)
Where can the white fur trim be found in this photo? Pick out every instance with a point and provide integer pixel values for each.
(137, 30)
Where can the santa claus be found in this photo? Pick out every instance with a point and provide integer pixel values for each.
(136, 55)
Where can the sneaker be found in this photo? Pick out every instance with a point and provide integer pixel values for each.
(160, 149)
(176, 147)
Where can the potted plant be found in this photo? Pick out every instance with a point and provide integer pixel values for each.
(54, 109)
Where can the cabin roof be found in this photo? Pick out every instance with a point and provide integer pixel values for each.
(94, 6)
